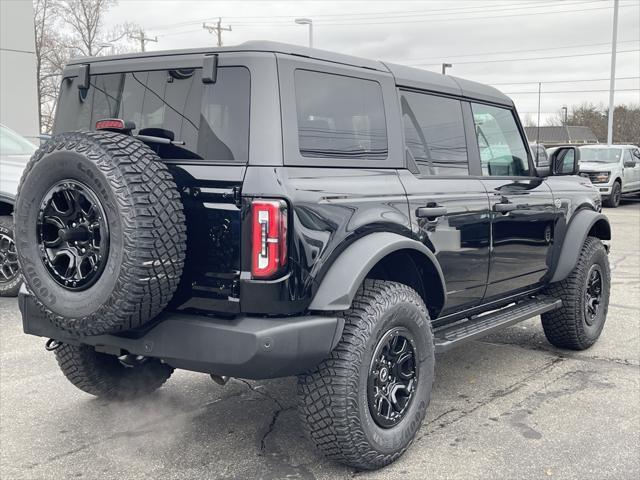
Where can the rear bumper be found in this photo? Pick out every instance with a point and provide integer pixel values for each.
(244, 347)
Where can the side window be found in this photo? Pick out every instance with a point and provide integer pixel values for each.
(629, 156)
(434, 133)
(502, 149)
(636, 154)
(339, 116)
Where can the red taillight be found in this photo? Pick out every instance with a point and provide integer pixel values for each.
(110, 123)
(268, 237)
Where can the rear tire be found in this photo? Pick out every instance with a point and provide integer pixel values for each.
(343, 404)
(105, 376)
(576, 325)
(613, 200)
(10, 277)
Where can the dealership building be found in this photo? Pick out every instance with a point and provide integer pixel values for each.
(18, 84)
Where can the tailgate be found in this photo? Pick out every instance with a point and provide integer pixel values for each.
(212, 268)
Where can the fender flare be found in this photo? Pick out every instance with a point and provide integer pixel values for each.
(340, 284)
(577, 231)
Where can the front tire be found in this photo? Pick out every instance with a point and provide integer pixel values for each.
(105, 376)
(585, 300)
(613, 201)
(363, 405)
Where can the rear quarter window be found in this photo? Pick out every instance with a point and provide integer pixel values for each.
(339, 116)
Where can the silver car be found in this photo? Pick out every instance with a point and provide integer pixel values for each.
(15, 152)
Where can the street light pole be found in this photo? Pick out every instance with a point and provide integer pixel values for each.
(612, 81)
(307, 21)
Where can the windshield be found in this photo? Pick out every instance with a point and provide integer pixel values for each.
(600, 155)
(13, 144)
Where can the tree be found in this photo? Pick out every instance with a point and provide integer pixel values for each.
(49, 59)
(66, 28)
(529, 121)
(626, 121)
(85, 22)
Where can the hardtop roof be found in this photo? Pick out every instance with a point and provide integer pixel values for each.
(404, 76)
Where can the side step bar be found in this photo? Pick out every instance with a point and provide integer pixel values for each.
(450, 336)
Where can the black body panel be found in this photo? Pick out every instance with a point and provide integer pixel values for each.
(522, 238)
(460, 238)
(330, 208)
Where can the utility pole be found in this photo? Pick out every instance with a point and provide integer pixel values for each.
(445, 66)
(218, 29)
(538, 129)
(140, 37)
(612, 82)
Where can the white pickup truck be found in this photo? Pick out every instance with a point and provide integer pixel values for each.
(613, 169)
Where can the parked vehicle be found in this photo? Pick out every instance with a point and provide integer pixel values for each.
(15, 152)
(269, 210)
(540, 157)
(614, 169)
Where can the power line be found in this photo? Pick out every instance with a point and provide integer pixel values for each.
(564, 81)
(287, 20)
(526, 59)
(340, 19)
(447, 56)
(574, 91)
(365, 15)
(428, 20)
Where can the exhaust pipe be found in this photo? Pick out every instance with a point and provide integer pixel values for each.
(220, 379)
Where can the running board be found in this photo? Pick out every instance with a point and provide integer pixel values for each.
(450, 336)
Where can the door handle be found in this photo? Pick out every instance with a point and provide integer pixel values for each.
(504, 207)
(431, 212)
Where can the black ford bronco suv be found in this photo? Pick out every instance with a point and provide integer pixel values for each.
(268, 210)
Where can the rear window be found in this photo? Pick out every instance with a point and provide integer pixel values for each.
(211, 119)
(339, 116)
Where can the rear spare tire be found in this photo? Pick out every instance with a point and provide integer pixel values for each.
(100, 232)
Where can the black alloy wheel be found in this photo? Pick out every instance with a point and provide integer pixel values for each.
(73, 235)
(593, 294)
(9, 268)
(393, 376)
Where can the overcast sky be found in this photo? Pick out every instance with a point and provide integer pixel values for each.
(472, 35)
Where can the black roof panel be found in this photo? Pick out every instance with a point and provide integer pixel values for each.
(405, 76)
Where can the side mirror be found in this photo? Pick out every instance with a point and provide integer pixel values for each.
(630, 163)
(565, 161)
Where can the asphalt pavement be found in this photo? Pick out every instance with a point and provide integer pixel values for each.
(509, 406)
